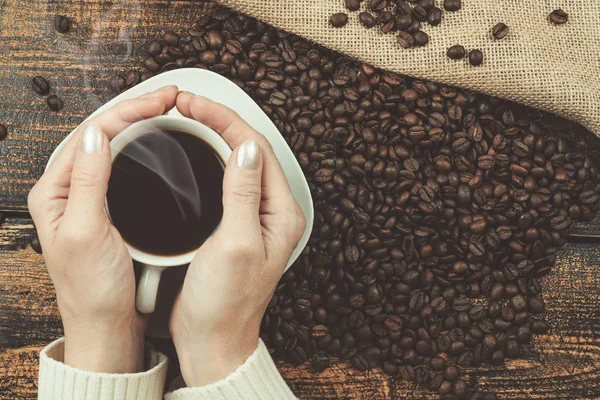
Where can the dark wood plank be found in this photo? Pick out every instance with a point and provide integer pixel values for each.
(564, 364)
(107, 38)
(587, 230)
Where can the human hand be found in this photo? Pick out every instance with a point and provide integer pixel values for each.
(215, 320)
(86, 257)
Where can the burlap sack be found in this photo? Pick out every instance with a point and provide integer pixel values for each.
(554, 68)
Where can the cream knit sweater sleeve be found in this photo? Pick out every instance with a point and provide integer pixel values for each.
(257, 378)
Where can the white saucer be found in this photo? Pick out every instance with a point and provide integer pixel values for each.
(221, 90)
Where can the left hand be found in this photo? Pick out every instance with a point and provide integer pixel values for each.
(86, 257)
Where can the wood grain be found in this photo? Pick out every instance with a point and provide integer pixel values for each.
(107, 38)
(564, 364)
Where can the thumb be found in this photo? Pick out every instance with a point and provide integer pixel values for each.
(90, 175)
(242, 191)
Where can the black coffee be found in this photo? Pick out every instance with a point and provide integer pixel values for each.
(165, 191)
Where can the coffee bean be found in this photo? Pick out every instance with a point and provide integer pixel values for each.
(404, 22)
(420, 13)
(62, 24)
(367, 19)
(456, 52)
(378, 5)
(558, 17)
(338, 20)
(475, 57)
(421, 38)
(40, 85)
(319, 331)
(452, 5)
(539, 327)
(437, 363)
(500, 31)
(35, 245)
(171, 38)
(353, 5)
(405, 40)
(54, 102)
(3, 131)
(117, 83)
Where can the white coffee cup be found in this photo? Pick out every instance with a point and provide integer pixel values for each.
(154, 265)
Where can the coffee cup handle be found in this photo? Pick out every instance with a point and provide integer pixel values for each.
(145, 299)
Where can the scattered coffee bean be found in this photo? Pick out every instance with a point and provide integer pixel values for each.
(3, 131)
(500, 31)
(62, 24)
(558, 17)
(475, 57)
(35, 245)
(421, 38)
(452, 5)
(367, 19)
(353, 5)
(456, 52)
(434, 17)
(405, 40)
(117, 83)
(54, 102)
(40, 85)
(338, 20)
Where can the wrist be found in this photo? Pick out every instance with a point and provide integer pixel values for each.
(115, 352)
(214, 358)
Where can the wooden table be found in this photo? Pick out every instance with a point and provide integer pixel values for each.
(108, 37)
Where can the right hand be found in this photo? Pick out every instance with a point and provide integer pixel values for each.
(215, 320)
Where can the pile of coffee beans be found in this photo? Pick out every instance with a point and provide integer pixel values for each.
(398, 16)
(437, 210)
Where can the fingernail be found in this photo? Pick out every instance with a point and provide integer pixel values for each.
(248, 155)
(91, 142)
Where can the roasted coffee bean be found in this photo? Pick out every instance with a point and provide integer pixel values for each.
(367, 19)
(405, 40)
(500, 31)
(338, 20)
(475, 57)
(404, 22)
(353, 5)
(421, 38)
(54, 102)
(539, 327)
(434, 17)
(456, 52)
(62, 24)
(452, 5)
(558, 17)
(35, 245)
(40, 85)
(171, 38)
(3, 131)
(377, 5)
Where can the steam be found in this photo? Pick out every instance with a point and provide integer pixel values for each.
(104, 36)
(165, 157)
